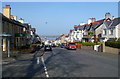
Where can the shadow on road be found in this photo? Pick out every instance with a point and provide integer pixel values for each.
(66, 65)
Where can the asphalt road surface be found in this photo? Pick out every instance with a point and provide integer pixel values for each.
(62, 63)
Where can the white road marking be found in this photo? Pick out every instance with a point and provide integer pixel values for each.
(46, 73)
(38, 60)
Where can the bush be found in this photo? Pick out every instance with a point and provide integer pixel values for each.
(118, 39)
(114, 44)
(88, 43)
(77, 42)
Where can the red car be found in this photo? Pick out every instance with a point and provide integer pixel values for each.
(71, 45)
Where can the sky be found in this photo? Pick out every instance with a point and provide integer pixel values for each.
(55, 18)
(60, 0)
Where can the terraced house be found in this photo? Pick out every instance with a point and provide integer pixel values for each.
(15, 33)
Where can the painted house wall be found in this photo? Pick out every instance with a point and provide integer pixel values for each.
(116, 32)
(99, 30)
(79, 35)
(105, 28)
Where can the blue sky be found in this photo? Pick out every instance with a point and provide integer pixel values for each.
(60, 16)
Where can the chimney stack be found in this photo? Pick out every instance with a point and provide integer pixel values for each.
(7, 11)
(90, 20)
(21, 20)
(82, 23)
(113, 17)
(14, 17)
(107, 15)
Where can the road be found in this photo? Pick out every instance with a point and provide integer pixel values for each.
(62, 63)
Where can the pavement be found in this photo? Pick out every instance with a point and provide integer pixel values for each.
(104, 54)
(63, 63)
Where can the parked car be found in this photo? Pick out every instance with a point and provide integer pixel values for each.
(53, 45)
(71, 45)
(62, 46)
(47, 48)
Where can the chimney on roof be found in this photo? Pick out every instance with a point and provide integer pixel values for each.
(82, 23)
(113, 17)
(107, 15)
(75, 25)
(21, 20)
(13, 17)
(7, 11)
(90, 20)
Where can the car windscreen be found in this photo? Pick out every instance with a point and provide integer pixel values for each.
(71, 43)
(47, 45)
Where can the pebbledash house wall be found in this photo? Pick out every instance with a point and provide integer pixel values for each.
(99, 30)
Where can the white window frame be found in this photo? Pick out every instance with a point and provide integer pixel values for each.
(111, 31)
(104, 32)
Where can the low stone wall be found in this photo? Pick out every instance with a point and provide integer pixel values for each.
(112, 50)
(87, 47)
(107, 49)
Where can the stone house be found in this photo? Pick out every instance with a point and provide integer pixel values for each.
(13, 35)
(12, 31)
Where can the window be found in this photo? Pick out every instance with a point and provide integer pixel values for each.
(111, 32)
(104, 32)
(71, 43)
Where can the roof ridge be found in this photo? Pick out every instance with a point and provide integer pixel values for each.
(111, 23)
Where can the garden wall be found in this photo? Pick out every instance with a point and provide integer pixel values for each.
(87, 47)
(112, 50)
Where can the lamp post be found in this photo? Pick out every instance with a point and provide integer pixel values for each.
(8, 48)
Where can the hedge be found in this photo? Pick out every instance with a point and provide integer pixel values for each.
(88, 43)
(114, 44)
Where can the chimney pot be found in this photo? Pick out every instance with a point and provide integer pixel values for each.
(8, 6)
(113, 17)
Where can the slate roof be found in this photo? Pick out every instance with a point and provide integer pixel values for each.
(109, 23)
(116, 21)
(75, 28)
(81, 27)
(4, 18)
(98, 23)
(87, 27)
